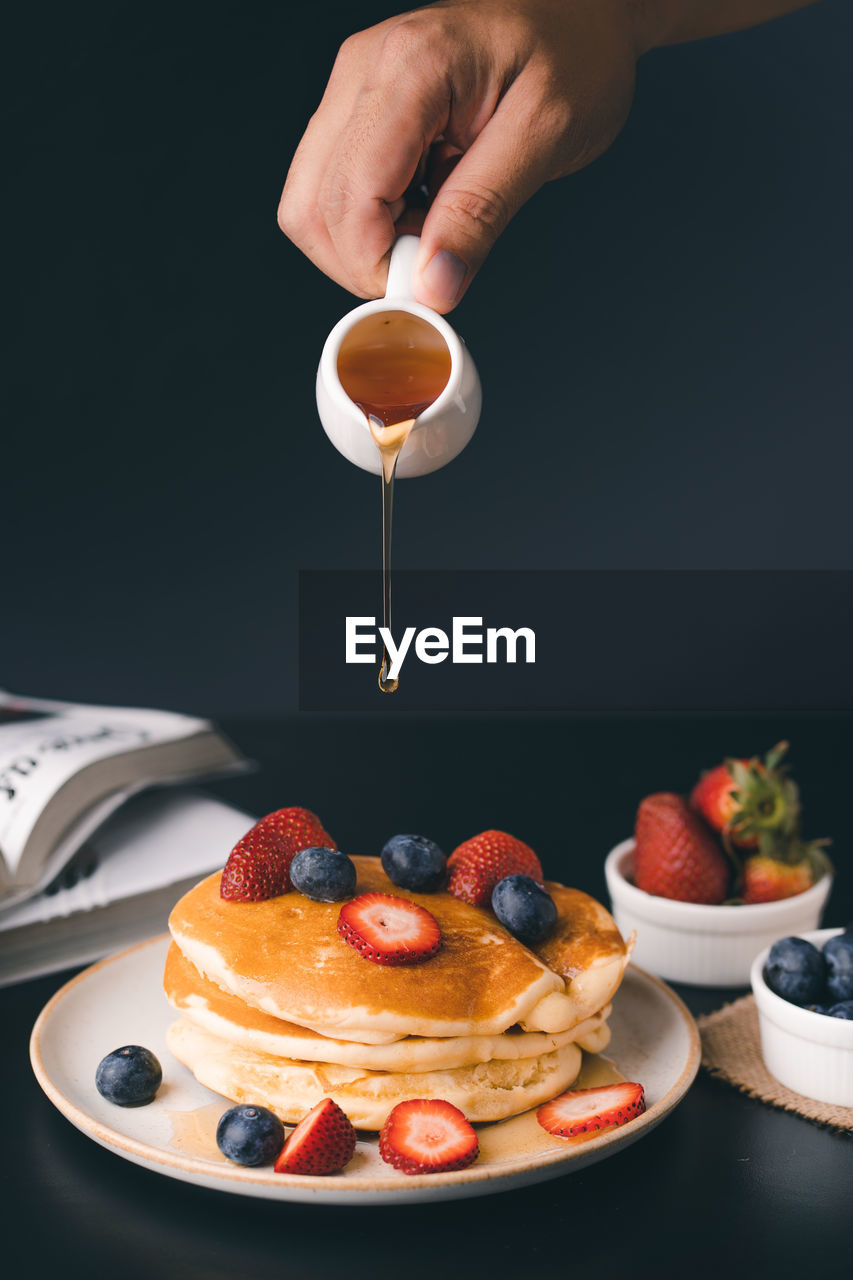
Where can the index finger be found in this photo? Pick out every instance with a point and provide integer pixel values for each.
(386, 138)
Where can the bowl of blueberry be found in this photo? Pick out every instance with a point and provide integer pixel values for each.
(803, 988)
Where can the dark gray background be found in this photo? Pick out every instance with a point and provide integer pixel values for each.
(664, 342)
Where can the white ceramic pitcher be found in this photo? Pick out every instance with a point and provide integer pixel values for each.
(443, 430)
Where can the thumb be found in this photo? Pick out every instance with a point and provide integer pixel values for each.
(500, 171)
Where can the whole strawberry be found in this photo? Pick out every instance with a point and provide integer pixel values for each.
(258, 866)
(476, 866)
(769, 880)
(745, 800)
(675, 855)
(299, 826)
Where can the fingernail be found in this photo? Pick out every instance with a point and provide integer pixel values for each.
(443, 276)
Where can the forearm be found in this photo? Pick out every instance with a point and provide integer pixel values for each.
(660, 22)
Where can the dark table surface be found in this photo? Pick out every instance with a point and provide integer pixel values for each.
(724, 1185)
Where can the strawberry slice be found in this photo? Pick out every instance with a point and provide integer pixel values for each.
(389, 930)
(258, 866)
(584, 1110)
(478, 864)
(428, 1135)
(323, 1142)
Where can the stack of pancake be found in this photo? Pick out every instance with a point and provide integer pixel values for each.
(278, 1011)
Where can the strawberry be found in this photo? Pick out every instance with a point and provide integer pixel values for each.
(476, 866)
(584, 1110)
(768, 879)
(428, 1135)
(675, 855)
(389, 930)
(258, 866)
(300, 826)
(747, 799)
(715, 797)
(322, 1142)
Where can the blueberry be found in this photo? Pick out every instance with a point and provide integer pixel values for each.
(838, 954)
(795, 970)
(524, 908)
(326, 875)
(129, 1077)
(250, 1135)
(844, 1009)
(415, 863)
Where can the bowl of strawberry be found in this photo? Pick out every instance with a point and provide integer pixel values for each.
(803, 989)
(710, 879)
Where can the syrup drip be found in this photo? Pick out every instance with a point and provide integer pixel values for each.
(522, 1136)
(194, 1131)
(393, 365)
(390, 440)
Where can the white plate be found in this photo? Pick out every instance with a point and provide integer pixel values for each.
(120, 1001)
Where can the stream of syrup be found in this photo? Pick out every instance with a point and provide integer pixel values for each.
(393, 365)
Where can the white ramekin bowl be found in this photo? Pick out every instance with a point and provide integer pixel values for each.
(704, 946)
(807, 1052)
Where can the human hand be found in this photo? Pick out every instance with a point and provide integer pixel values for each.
(483, 101)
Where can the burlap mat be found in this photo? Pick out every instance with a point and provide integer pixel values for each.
(731, 1050)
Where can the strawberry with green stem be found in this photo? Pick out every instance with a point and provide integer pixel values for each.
(747, 801)
(755, 807)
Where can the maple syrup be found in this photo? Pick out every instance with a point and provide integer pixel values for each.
(522, 1136)
(393, 365)
(194, 1131)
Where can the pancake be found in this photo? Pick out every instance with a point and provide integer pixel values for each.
(285, 958)
(486, 1091)
(224, 1015)
(277, 1010)
(586, 949)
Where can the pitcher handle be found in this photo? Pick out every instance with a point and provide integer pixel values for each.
(401, 272)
